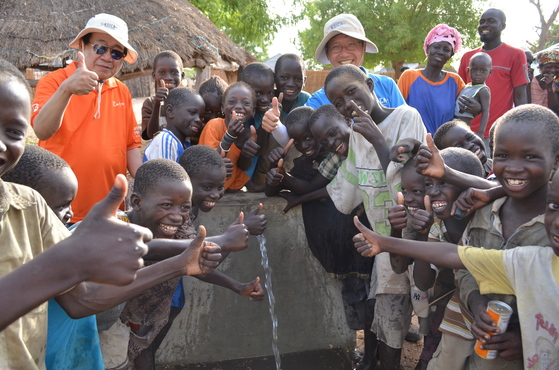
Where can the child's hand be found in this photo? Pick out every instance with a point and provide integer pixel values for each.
(253, 290)
(250, 149)
(509, 343)
(236, 236)
(274, 177)
(423, 218)
(228, 164)
(161, 93)
(293, 200)
(255, 222)
(363, 124)
(366, 242)
(272, 116)
(275, 155)
(482, 323)
(201, 257)
(235, 127)
(428, 161)
(470, 200)
(82, 81)
(397, 215)
(110, 250)
(404, 150)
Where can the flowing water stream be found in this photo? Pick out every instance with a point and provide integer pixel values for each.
(271, 298)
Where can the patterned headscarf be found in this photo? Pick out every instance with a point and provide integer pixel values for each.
(549, 55)
(443, 32)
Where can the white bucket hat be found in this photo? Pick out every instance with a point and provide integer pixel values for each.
(112, 26)
(349, 25)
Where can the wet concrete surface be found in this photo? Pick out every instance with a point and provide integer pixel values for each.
(331, 359)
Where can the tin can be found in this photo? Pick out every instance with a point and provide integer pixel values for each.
(500, 312)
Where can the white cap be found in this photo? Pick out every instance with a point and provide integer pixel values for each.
(112, 26)
(349, 25)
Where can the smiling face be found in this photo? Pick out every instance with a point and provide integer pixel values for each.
(413, 189)
(290, 78)
(61, 187)
(207, 188)
(523, 159)
(239, 100)
(332, 133)
(343, 49)
(213, 106)
(442, 196)
(439, 53)
(461, 137)
(264, 89)
(304, 140)
(164, 207)
(104, 65)
(185, 120)
(550, 68)
(342, 90)
(551, 219)
(169, 70)
(15, 111)
(491, 24)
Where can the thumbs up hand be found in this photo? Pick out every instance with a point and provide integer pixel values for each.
(161, 93)
(428, 161)
(367, 241)
(397, 215)
(250, 148)
(423, 218)
(271, 117)
(82, 81)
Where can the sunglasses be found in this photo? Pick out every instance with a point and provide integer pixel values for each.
(102, 49)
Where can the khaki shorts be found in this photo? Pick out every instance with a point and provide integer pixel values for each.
(392, 318)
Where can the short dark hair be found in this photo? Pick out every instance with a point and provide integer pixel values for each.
(34, 167)
(256, 70)
(500, 12)
(179, 95)
(346, 70)
(213, 85)
(325, 110)
(240, 84)
(155, 170)
(168, 54)
(298, 115)
(289, 56)
(198, 158)
(10, 73)
(462, 160)
(538, 117)
(444, 129)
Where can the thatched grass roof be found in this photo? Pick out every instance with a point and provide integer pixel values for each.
(36, 32)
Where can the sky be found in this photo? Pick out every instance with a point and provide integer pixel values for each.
(522, 19)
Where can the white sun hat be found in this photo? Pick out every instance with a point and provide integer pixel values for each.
(111, 25)
(349, 25)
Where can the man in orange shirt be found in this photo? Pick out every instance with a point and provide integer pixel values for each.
(84, 114)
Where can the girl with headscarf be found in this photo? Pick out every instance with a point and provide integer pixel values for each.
(431, 90)
(545, 86)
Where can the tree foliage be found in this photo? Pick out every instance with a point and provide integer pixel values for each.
(547, 30)
(397, 27)
(249, 24)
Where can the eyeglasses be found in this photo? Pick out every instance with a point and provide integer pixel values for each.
(352, 46)
(102, 49)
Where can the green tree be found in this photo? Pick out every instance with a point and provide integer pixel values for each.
(249, 24)
(397, 27)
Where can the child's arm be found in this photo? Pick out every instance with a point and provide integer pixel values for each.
(252, 290)
(484, 98)
(294, 200)
(471, 199)
(429, 162)
(255, 222)
(364, 125)
(404, 150)
(369, 244)
(152, 125)
(397, 216)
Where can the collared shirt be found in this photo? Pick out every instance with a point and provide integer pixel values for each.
(27, 228)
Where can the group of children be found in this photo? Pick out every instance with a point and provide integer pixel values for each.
(362, 166)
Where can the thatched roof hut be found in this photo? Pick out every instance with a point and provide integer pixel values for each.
(37, 32)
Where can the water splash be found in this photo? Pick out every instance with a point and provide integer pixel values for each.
(271, 298)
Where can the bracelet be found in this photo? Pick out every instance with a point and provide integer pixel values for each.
(231, 136)
(226, 151)
(227, 140)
